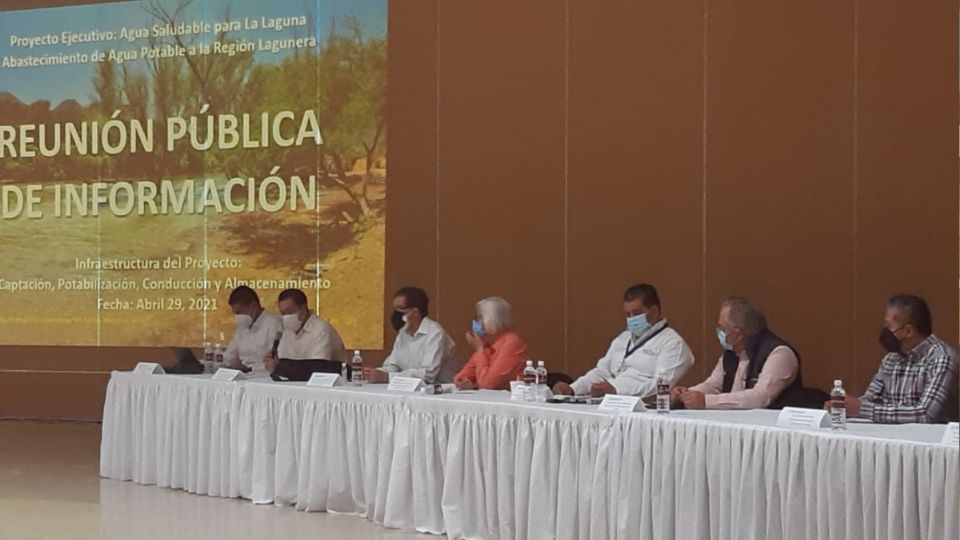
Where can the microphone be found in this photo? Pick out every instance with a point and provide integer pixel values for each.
(276, 344)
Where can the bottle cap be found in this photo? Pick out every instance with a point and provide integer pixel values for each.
(529, 362)
(837, 382)
(356, 352)
(539, 362)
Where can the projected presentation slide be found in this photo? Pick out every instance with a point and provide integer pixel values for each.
(156, 154)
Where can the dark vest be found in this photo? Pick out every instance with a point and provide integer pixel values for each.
(759, 348)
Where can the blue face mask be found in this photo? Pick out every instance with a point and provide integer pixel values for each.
(477, 328)
(722, 338)
(637, 324)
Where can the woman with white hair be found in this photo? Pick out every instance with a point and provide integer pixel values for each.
(499, 353)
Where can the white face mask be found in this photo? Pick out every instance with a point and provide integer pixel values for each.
(243, 321)
(291, 321)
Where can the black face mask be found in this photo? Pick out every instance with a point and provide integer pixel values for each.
(396, 320)
(889, 341)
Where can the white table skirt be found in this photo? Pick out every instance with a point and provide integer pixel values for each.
(171, 431)
(479, 466)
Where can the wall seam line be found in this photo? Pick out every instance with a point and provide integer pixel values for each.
(703, 200)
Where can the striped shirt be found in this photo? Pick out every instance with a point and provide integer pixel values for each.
(914, 387)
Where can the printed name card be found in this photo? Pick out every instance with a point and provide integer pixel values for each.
(325, 380)
(227, 375)
(795, 417)
(951, 436)
(518, 391)
(405, 384)
(148, 368)
(622, 404)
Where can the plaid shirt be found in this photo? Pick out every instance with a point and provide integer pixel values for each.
(912, 387)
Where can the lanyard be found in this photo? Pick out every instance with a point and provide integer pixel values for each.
(641, 343)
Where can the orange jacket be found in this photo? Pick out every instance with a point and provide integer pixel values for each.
(497, 364)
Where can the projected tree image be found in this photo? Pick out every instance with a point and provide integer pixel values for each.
(196, 76)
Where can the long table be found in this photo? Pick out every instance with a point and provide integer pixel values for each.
(477, 465)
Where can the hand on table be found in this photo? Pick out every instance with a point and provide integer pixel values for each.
(376, 376)
(236, 364)
(466, 384)
(601, 389)
(675, 394)
(562, 388)
(853, 406)
(694, 400)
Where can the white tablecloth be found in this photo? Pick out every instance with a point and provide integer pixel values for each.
(479, 466)
(172, 431)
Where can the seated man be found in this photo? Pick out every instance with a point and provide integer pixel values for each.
(255, 334)
(646, 349)
(917, 379)
(422, 348)
(757, 369)
(305, 335)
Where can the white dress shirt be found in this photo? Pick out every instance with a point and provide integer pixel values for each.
(316, 340)
(249, 345)
(665, 353)
(428, 354)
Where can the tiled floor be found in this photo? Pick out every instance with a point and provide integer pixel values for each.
(50, 488)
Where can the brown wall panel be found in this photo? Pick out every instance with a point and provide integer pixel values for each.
(102, 359)
(779, 161)
(635, 168)
(411, 250)
(52, 395)
(501, 165)
(907, 177)
(801, 153)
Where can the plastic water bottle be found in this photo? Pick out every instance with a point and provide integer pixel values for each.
(344, 372)
(541, 381)
(663, 394)
(356, 368)
(207, 357)
(530, 381)
(217, 358)
(838, 407)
